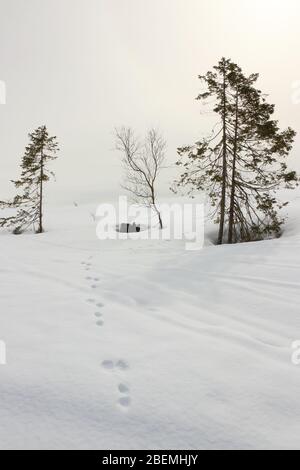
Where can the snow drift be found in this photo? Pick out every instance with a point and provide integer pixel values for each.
(126, 344)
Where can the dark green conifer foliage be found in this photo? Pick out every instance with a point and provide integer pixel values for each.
(34, 173)
(243, 163)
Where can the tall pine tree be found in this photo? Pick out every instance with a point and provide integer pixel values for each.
(34, 173)
(242, 164)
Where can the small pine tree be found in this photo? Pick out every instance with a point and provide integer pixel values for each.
(242, 164)
(41, 150)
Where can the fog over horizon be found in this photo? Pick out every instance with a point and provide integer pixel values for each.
(86, 67)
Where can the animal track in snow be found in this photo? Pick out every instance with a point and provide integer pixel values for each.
(120, 364)
(123, 365)
(108, 365)
(98, 315)
(124, 401)
(123, 388)
(87, 266)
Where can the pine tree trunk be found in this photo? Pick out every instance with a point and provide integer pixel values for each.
(40, 229)
(233, 177)
(224, 172)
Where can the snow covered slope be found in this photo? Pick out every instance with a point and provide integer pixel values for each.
(141, 344)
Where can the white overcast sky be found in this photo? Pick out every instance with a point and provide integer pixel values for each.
(83, 67)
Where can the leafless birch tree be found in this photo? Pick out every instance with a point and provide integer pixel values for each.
(142, 161)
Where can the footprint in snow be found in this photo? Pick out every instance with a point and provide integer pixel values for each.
(108, 365)
(123, 388)
(124, 402)
(86, 265)
(123, 365)
(93, 301)
(100, 321)
(120, 364)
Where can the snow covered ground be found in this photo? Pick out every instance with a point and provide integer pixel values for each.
(140, 344)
